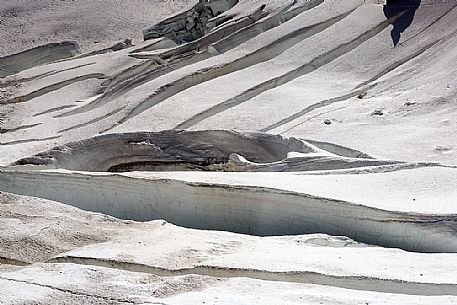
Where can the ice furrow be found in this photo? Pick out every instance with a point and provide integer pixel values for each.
(397, 64)
(6, 130)
(313, 107)
(11, 261)
(241, 209)
(53, 87)
(141, 75)
(97, 119)
(429, 26)
(137, 76)
(363, 283)
(255, 29)
(70, 291)
(29, 140)
(203, 42)
(55, 109)
(14, 63)
(129, 83)
(309, 67)
(264, 54)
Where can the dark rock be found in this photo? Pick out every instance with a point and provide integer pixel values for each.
(362, 95)
(377, 112)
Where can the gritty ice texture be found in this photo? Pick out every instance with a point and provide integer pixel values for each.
(228, 152)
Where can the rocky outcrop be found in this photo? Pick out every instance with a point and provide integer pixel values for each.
(191, 24)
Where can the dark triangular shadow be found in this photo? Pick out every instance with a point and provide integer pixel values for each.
(405, 9)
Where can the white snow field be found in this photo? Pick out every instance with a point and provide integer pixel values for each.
(246, 152)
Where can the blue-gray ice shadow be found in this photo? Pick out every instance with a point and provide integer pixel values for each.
(406, 9)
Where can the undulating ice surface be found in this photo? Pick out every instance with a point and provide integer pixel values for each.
(247, 152)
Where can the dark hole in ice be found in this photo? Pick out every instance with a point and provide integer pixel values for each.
(405, 9)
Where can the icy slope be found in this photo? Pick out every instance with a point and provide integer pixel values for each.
(294, 68)
(223, 180)
(118, 262)
(324, 130)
